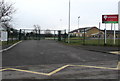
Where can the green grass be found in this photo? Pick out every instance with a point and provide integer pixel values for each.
(100, 42)
(2, 43)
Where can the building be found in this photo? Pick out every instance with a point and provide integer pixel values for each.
(87, 31)
(94, 32)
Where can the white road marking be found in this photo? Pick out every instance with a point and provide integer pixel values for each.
(10, 46)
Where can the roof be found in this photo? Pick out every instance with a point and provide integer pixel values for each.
(82, 29)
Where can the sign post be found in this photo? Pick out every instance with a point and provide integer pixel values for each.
(114, 34)
(119, 19)
(105, 35)
(110, 19)
(119, 15)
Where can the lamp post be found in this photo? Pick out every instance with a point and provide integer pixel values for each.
(78, 25)
(78, 21)
(69, 24)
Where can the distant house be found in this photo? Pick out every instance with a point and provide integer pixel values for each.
(87, 31)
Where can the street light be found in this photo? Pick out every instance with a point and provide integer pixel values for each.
(69, 24)
(78, 21)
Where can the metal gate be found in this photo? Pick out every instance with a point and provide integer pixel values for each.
(32, 34)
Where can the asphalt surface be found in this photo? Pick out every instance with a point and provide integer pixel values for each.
(47, 55)
(103, 49)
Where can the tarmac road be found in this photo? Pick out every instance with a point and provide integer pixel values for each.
(48, 53)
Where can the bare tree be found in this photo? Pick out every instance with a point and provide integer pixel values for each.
(6, 11)
(36, 28)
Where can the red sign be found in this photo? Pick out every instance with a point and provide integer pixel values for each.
(109, 18)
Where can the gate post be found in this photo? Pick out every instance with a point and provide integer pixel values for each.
(84, 37)
(65, 36)
(8, 35)
(59, 35)
(39, 35)
(20, 34)
(54, 34)
(24, 35)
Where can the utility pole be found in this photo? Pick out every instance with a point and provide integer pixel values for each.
(99, 34)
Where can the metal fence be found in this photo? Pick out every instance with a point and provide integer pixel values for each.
(61, 35)
(31, 34)
(98, 38)
(14, 35)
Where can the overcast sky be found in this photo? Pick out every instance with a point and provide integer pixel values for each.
(53, 14)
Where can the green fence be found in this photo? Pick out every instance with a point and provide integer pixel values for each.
(14, 35)
(97, 39)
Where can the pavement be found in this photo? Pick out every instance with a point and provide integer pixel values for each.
(47, 59)
(7, 47)
(103, 49)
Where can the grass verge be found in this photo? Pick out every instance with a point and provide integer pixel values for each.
(93, 42)
(4, 43)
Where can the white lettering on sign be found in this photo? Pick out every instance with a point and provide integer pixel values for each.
(105, 17)
(112, 17)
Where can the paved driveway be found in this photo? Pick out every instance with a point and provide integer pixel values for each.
(34, 54)
(49, 52)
